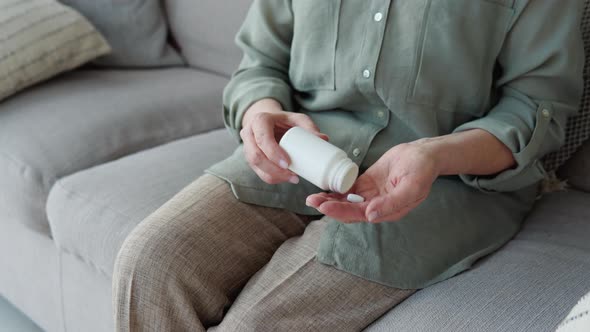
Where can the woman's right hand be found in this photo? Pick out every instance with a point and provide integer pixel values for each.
(263, 125)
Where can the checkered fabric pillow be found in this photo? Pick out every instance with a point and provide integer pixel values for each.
(578, 127)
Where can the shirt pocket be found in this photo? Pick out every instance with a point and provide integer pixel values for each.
(313, 48)
(456, 53)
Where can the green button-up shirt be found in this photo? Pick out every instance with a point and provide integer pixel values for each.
(376, 73)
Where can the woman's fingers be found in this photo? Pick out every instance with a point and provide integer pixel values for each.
(337, 206)
(264, 136)
(268, 171)
(264, 155)
(387, 207)
(315, 200)
(344, 211)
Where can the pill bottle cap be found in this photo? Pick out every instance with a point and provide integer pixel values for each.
(344, 176)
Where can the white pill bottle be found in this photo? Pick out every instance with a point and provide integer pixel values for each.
(318, 161)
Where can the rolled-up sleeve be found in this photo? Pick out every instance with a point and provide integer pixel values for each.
(265, 39)
(540, 86)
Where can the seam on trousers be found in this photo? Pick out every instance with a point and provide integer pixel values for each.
(277, 286)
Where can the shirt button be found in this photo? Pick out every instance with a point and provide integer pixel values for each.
(378, 17)
(366, 73)
(356, 152)
(380, 114)
(545, 112)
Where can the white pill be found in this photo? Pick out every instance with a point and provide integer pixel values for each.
(355, 198)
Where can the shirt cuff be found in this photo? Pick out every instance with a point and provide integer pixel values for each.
(516, 134)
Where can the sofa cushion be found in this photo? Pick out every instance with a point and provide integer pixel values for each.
(528, 285)
(577, 170)
(86, 118)
(40, 39)
(205, 31)
(91, 212)
(136, 30)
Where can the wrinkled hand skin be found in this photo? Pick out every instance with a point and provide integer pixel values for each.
(396, 184)
(263, 125)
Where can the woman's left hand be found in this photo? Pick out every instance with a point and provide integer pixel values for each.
(396, 184)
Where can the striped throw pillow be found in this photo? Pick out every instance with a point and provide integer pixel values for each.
(40, 39)
(578, 320)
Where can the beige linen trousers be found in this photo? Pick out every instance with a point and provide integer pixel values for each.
(206, 261)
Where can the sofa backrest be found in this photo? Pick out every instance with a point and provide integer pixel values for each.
(205, 31)
(577, 170)
(578, 126)
(135, 29)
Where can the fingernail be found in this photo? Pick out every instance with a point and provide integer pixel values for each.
(294, 179)
(307, 203)
(283, 164)
(373, 216)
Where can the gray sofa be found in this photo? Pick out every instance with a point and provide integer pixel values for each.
(86, 156)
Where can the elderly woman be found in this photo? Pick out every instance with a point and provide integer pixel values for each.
(447, 106)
